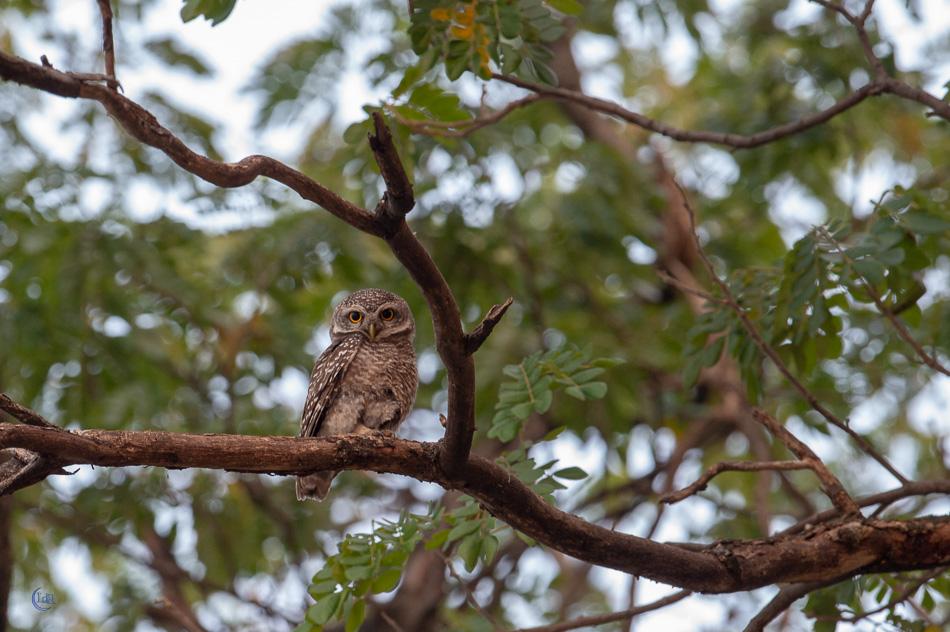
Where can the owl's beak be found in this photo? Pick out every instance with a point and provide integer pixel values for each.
(372, 331)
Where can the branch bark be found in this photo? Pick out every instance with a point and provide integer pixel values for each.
(730, 466)
(832, 550)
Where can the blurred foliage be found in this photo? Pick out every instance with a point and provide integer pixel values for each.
(120, 310)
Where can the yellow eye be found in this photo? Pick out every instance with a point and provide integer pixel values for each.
(355, 317)
(387, 314)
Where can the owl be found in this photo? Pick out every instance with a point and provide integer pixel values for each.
(366, 379)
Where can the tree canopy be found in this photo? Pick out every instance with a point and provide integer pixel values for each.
(681, 277)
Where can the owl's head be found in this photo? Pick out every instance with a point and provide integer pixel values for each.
(375, 314)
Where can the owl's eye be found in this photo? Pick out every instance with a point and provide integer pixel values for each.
(387, 314)
(355, 317)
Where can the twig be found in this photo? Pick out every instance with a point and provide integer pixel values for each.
(901, 597)
(736, 141)
(730, 466)
(829, 482)
(897, 323)
(475, 338)
(781, 602)
(469, 597)
(610, 618)
(108, 49)
(913, 488)
(392, 622)
(685, 287)
(462, 128)
(768, 351)
(23, 414)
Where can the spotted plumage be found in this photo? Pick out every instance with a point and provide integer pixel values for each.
(365, 380)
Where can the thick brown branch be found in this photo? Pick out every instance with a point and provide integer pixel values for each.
(826, 551)
(829, 482)
(475, 338)
(450, 343)
(730, 466)
(601, 619)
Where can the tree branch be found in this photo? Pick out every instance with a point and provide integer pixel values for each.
(829, 482)
(108, 48)
(462, 128)
(781, 602)
(143, 126)
(475, 338)
(624, 615)
(398, 199)
(896, 322)
(730, 466)
(772, 355)
(832, 550)
(736, 141)
(22, 413)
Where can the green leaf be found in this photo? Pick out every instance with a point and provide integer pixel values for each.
(357, 573)
(594, 390)
(356, 615)
(386, 581)
(571, 474)
(469, 549)
(172, 52)
(217, 11)
(575, 392)
(489, 548)
(870, 270)
(324, 609)
(569, 7)
(924, 223)
(462, 529)
(891, 257)
(543, 401)
(321, 589)
(587, 374)
(554, 433)
(437, 539)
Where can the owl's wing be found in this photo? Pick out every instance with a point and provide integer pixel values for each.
(328, 370)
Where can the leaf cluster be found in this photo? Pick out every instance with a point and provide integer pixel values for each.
(511, 36)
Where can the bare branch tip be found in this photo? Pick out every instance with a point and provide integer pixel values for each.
(474, 339)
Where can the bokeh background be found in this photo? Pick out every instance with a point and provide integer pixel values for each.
(134, 296)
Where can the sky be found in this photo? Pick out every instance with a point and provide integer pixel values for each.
(257, 28)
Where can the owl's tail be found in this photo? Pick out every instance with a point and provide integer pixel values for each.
(314, 486)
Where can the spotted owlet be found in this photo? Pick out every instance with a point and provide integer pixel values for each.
(365, 380)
